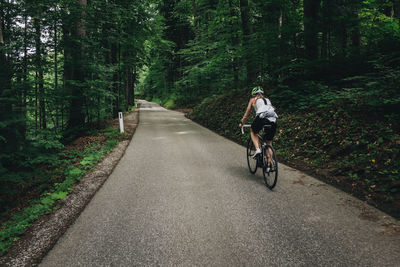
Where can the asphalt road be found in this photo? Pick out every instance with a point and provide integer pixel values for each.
(182, 195)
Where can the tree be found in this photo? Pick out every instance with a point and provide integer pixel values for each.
(8, 121)
(396, 9)
(311, 28)
(327, 21)
(39, 69)
(235, 44)
(247, 31)
(76, 115)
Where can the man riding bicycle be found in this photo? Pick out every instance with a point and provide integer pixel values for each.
(265, 115)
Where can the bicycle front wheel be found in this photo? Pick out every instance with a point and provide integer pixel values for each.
(270, 167)
(252, 163)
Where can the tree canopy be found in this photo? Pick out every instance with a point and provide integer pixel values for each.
(293, 46)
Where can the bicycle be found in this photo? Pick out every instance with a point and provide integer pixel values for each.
(266, 156)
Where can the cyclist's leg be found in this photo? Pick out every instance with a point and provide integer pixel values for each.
(254, 138)
(256, 126)
(269, 151)
(269, 136)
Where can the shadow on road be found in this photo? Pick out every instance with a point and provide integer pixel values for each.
(244, 174)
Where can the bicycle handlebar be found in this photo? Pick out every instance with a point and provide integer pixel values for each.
(243, 126)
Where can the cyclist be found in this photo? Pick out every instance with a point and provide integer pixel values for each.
(265, 115)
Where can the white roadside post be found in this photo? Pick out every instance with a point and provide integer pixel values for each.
(121, 122)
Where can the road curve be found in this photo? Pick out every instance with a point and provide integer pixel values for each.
(182, 195)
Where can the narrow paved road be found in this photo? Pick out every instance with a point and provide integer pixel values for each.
(182, 195)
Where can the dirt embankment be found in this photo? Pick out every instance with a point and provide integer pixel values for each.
(356, 152)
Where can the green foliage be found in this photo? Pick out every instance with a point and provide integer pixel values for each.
(47, 140)
(16, 225)
(110, 145)
(170, 103)
(74, 172)
(57, 88)
(111, 132)
(356, 65)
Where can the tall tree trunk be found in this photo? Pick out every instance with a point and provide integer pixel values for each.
(25, 79)
(235, 45)
(274, 22)
(247, 30)
(396, 9)
(311, 18)
(1, 36)
(58, 97)
(133, 81)
(114, 62)
(119, 78)
(194, 5)
(283, 44)
(324, 45)
(106, 30)
(76, 114)
(127, 86)
(36, 102)
(39, 67)
(131, 86)
(356, 33)
(343, 38)
(128, 76)
(326, 10)
(9, 144)
(67, 72)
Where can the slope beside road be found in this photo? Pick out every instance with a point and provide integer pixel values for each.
(182, 195)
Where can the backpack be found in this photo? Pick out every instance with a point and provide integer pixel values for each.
(270, 110)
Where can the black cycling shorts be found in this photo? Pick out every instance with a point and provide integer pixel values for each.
(259, 123)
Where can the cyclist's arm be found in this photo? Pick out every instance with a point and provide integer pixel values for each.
(248, 110)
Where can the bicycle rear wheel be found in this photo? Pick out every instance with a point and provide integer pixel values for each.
(252, 163)
(270, 176)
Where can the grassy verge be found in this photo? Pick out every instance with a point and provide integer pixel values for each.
(73, 162)
(168, 102)
(356, 151)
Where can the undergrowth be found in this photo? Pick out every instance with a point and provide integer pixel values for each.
(75, 163)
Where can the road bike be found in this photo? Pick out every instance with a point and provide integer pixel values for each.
(265, 160)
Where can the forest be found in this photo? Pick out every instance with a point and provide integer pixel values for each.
(331, 68)
(66, 69)
(298, 47)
